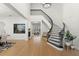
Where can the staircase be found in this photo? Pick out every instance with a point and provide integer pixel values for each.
(55, 34)
(56, 37)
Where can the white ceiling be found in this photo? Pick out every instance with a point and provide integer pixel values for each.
(5, 11)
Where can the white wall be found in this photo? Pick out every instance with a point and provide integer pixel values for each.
(5, 11)
(23, 8)
(55, 11)
(71, 18)
(9, 21)
(44, 28)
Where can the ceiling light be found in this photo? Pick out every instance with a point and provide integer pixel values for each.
(46, 5)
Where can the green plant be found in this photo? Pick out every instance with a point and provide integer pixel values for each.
(69, 36)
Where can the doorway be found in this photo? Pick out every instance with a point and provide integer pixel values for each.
(36, 28)
(36, 31)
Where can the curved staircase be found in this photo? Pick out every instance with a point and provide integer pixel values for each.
(55, 34)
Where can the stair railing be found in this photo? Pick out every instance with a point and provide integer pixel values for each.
(61, 34)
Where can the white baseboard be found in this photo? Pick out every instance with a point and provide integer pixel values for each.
(77, 48)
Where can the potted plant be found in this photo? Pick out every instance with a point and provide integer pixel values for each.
(69, 38)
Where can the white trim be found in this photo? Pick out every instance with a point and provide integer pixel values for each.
(76, 48)
(60, 49)
(54, 39)
(54, 42)
(53, 36)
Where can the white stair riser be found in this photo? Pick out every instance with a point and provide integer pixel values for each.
(60, 49)
(55, 37)
(54, 42)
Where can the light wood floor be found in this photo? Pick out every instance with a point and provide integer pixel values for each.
(32, 48)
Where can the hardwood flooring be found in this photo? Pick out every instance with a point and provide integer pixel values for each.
(35, 48)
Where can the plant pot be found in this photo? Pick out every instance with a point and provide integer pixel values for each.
(69, 43)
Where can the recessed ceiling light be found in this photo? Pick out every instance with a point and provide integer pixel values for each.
(46, 5)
